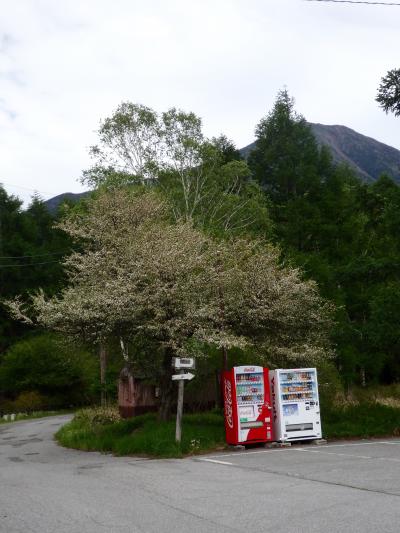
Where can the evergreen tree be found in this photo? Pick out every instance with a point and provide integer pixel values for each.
(389, 92)
(30, 254)
(343, 233)
(286, 156)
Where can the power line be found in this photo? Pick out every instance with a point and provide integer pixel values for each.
(32, 256)
(26, 188)
(28, 264)
(357, 2)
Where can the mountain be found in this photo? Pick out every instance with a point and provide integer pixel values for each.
(54, 203)
(368, 157)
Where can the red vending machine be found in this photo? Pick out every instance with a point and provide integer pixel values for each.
(247, 405)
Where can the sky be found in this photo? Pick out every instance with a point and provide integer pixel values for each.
(66, 65)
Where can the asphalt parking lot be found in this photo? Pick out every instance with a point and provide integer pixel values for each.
(343, 486)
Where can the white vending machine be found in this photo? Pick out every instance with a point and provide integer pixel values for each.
(295, 404)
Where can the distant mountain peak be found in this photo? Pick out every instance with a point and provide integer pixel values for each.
(54, 203)
(367, 156)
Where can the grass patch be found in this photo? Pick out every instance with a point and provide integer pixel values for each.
(100, 430)
(34, 414)
(362, 420)
(144, 435)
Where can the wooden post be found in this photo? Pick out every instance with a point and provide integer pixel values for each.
(103, 368)
(179, 411)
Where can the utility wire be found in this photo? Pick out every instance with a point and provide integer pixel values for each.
(28, 265)
(26, 188)
(357, 2)
(31, 256)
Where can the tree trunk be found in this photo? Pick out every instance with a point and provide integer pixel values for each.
(166, 387)
(362, 377)
(103, 369)
(219, 401)
(224, 351)
(179, 412)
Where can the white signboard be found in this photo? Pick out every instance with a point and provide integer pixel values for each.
(183, 362)
(181, 377)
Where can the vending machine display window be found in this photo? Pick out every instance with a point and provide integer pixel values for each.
(295, 403)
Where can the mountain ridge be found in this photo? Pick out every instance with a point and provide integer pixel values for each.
(367, 156)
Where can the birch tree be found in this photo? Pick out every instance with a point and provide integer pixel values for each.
(202, 179)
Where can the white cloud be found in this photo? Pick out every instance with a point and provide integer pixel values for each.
(65, 65)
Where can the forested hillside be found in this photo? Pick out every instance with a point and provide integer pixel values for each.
(37, 370)
(339, 230)
(342, 232)
(30, 254)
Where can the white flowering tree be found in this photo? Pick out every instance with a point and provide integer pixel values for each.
(139, 274)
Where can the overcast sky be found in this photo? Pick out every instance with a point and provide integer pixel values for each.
(66, 64)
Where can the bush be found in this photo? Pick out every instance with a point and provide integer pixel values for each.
(47, 365)
(330, 387)
(93, 416)
(27, 402)
(363, 420)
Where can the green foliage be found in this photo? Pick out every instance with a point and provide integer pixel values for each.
(285, 158)
(389, 92)
(144, 435)
(342, 233)
(365, 420)
(27, 402)
(30, 254)
(206, 181)
(330, 386)
(47, 372)
(98, 416)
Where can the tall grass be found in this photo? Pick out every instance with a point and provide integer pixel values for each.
(363, 420)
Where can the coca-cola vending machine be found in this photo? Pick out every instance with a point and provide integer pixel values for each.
(247, 405)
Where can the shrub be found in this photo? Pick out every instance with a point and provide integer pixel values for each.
(100, 416)
(30, 401)
(330, 387)
(47, 365)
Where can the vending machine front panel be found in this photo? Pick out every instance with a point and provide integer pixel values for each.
(247, 405)
(296, 410)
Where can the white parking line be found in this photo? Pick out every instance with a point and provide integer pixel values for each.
(289, 449)
(236, 454)
(333, 453)
(362, 443)
(215, 461)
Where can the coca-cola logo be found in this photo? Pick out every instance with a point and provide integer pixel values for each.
(228, 403)
(273, 398)
(249, 369)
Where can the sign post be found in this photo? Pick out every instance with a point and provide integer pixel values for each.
(181, 364)
(179, 411)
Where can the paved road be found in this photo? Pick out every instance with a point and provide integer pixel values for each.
(342, 487)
